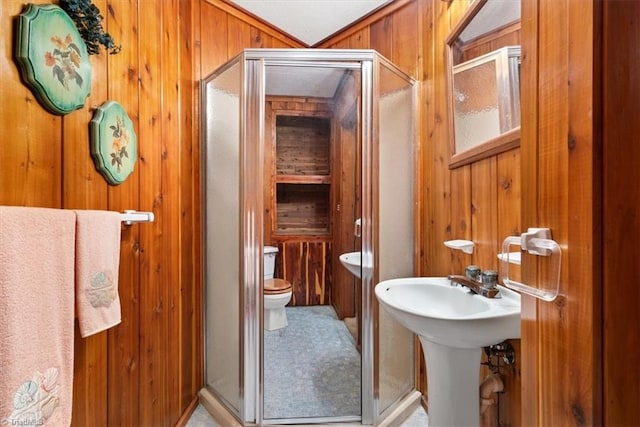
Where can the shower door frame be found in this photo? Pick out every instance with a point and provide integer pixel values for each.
(253, 63)
(338, 58)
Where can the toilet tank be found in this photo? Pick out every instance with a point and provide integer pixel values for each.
(269, 254)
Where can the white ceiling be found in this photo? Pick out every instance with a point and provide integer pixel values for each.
(310, 21)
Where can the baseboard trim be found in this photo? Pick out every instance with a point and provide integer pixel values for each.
(216, 409)
(184, 419)
(403, 411)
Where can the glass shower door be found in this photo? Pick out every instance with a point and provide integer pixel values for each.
(374, 106)
(222, 224)
(396, 247)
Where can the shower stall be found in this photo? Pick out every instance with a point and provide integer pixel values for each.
(353, 192)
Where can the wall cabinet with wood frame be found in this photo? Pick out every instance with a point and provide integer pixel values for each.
(302, 175)
(299, 194)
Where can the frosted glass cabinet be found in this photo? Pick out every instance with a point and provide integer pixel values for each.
(486, 97)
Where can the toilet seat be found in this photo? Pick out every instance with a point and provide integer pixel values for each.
(276, 286)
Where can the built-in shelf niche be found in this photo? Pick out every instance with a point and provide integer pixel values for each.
(302, 209)
(303, 175)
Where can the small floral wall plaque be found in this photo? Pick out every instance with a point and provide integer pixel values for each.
(53, 58)
(114, 147)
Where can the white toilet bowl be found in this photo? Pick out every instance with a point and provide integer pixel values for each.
(277, 293)
(275, 316)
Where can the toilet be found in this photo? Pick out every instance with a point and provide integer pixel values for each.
(277, 293)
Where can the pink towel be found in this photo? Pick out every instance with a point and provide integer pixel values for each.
(36, 315)
(97, 263)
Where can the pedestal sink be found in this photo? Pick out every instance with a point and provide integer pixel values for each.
(453, 325)
(352, 261)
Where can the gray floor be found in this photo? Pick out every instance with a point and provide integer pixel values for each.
(312, 369)
(201, 418)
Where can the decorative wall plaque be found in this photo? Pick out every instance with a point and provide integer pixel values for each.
(114, 148)
(53, 58)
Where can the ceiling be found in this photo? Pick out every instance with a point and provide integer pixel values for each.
(310, 21)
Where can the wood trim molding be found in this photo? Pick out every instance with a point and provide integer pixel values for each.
(499, 144)
(364, 23)
(254, 21)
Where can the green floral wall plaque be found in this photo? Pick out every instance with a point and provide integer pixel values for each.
(114, 148)
(53, 58)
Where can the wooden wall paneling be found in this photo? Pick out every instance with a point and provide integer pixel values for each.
(484, 213)
(405, 39)
(437, 210)
(369, 20)
(509, 401)
(359, 40)
(269, 175)
(509, 196)
(213, 38)
(426, 125)
(259, 39)
(461, 217)
(168, 354)
(345, 182)
(123, 355)
(280, 39)
(508, 224)
(191, 361)
(239, 36)
(151, 197)
(198, 308)
(529, 173)
(31, 157)
(621, 199)
(340, 281)
(581, 211)
(552, 163)
(380, 36)
(307, 266)
(84, 188)
(280, 44)
(566, 337)
(507, 36)
(341, 44)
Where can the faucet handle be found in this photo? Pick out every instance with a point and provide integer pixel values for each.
(472, 272)
(489, 279)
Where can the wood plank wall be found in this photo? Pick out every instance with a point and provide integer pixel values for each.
(345, 295)
(306, 264)
(147, 370)
(479, 201)
(44, 161)
(561, 142)
(621, 216)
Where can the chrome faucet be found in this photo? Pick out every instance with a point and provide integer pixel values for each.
(479, 283)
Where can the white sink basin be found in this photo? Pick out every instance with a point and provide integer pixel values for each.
(451, 315)
(453, 325)
(353, 262)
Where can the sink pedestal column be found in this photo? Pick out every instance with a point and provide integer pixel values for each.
(453, 384)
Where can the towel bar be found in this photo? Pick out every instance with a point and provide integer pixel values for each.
(130, 217)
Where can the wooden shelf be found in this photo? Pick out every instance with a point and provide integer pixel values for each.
(302, 208)
(303, 179)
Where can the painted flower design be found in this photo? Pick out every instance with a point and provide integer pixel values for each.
(120, 142)
(35, 400)
(102, 290)
(64, 61)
